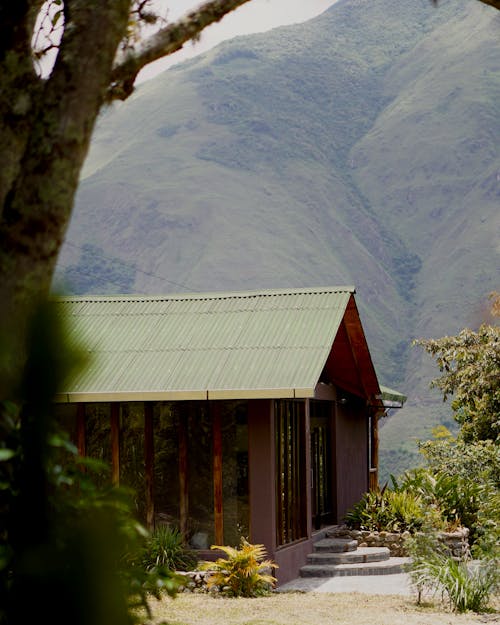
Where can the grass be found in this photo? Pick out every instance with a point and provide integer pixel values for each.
(296, 608)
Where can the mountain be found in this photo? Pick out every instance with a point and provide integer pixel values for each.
(360, 147)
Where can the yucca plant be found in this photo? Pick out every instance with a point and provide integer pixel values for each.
(166, 549)
(243, 573)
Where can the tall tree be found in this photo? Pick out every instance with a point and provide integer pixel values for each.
(47, 120)
(470, 372)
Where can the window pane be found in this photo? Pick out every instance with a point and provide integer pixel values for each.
(290, 471)
(98, 436)
(132, 453)
(235, 472)
(200, 475)
(166, 469)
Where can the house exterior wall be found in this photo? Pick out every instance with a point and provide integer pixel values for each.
(349, 459)
(351, 453)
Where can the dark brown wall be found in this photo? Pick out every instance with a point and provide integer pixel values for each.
(351, 454)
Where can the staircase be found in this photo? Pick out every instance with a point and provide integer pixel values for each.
(335, 557)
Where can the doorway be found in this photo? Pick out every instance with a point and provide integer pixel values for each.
(321, 464)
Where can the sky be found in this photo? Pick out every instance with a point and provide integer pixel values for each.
(255, 16)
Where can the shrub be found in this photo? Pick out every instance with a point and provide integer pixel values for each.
(243, 573)
(166, 549)
(467, 585)
(387, 510)
(452, 498)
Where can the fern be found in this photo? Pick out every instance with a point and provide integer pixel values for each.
(243, 572)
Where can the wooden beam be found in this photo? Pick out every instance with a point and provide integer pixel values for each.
(360, 352)
(217, 473)
(80, 430)
(183, 473)
(373, 477)
(149, 464)
(115, 443)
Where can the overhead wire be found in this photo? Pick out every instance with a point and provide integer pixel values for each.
(125, 263)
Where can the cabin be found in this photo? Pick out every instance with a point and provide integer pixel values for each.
(231, 414)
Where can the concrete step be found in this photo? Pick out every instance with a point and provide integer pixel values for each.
(335, 545)
(385, 567)
(360, 556)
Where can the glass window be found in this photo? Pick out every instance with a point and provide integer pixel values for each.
(235, 472)
(290, 471)
(98, 436)
(166, 465)
(132, 464)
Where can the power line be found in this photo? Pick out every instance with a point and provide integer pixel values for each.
(122, 262)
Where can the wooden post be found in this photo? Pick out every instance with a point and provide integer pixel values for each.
(115, 443)
(217, 474)
(373, 477)
(149, 464)
(80, 429)
(183, 473)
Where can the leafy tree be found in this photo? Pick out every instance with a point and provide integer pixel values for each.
(470, 366)
(467, 467)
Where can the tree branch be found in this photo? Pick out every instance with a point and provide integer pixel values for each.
(165, 42)
(492, 3)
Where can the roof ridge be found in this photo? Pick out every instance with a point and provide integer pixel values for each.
(209, 295)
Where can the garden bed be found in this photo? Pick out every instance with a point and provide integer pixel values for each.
(456, 541)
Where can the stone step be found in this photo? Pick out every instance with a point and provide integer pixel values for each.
(361, 555)
(335, 545)
(387, 567)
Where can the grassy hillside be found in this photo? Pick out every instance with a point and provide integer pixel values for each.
(358, 148)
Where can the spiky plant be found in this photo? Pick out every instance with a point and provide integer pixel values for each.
(166, 549)
(468, 585)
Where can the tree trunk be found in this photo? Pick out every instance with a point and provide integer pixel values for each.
(46, 130)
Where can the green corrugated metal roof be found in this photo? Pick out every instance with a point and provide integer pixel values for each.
(271, 343)
(392, 398)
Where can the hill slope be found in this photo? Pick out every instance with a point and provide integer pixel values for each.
(358, 148)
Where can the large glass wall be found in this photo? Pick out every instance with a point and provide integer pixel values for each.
(183, 478)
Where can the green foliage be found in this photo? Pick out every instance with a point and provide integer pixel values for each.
(387, 510)
(446, 454)
(446, 482)
(470, 368)
(243, 573)
(68, 543)
(166, 549)
(467, 585)
(406, 268)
